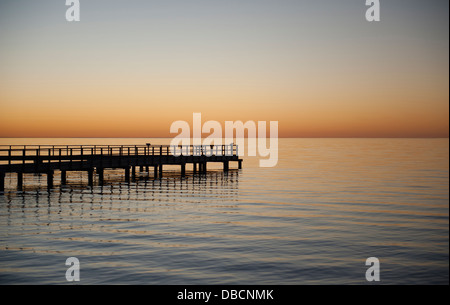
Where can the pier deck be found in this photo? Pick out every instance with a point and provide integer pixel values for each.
(46, 159)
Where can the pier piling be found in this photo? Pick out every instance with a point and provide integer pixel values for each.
(19, 181)
(133, 173)
(2, 181)
(63, 177)
(127, 174)
(91, 177)
(183, 170)
(50, 179)
(100, 175)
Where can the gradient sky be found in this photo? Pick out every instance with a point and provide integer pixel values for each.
(131, 68)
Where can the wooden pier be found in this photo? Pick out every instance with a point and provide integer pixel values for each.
(95, 159)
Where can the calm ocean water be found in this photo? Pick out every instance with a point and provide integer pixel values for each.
(314, 219)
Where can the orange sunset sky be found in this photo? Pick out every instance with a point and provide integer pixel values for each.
(131, 68)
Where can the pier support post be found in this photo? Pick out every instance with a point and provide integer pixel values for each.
(2, 181)
(91, 177)
(155, 172)
(226, 166)
(141, 169)
(194, 167)
(100, 175)
(127, 174)
(146, 169)
(240, 164)
(160, 171)
(63, 177)
(183, 170)
(50, 179)
(133, 172)
(19, 181)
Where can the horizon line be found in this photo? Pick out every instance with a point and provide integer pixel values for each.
(418, 137)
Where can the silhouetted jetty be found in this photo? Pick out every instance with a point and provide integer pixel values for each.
(46, 159)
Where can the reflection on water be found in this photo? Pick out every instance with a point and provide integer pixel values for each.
(107, 227)
(315, 218)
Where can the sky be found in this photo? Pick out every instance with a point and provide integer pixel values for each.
(132, 68)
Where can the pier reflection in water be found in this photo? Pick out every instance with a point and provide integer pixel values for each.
(141, 230)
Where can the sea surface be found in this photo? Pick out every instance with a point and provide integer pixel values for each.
(315, 218)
